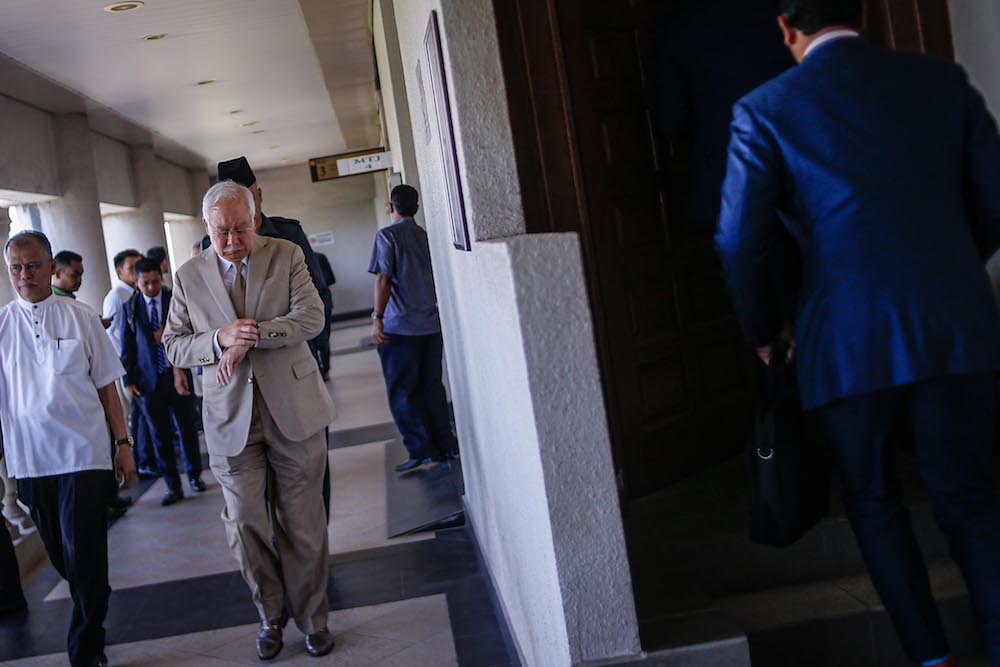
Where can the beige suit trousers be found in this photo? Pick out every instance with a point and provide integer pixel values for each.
(291, 474)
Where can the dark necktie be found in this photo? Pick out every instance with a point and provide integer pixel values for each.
(161, 354)
(237, 293)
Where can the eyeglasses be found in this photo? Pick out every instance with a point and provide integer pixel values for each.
(223, 234)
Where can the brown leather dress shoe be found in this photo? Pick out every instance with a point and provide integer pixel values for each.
(269, 642)
(319, 643)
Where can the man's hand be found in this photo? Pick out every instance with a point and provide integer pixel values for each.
(158, 335)
(231, 358)
(378, 333)
(241, 332)
(124, 466)
(133, 391)
(181, 382)
(785, 337)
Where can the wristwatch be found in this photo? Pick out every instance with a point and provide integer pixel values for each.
(127, 441)
(376, 315)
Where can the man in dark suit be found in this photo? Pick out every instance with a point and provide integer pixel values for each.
(160, 389)
(886, 169)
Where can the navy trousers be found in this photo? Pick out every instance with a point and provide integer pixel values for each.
(156, 409)
(71, 514)
(952, 421)
(11, 595)
(411, 366)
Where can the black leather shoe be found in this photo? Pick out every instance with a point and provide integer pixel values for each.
(410, 464)
(115, 513)
(197, 485)
(171, 497)
(269, 641)
(319, 643)
(121, 502)
(100, 661)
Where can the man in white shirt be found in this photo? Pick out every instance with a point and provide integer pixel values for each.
(121, 291)
(59, 369)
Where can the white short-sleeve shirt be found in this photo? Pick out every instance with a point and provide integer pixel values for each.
(120, 292)
(55, 355)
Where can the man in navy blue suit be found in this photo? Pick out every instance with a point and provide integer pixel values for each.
(161, 390)
(885, 168)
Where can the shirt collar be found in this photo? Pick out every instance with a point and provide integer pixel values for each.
(121, 283)
(828, 37)
(158, 298)
(58, 291)
(224, 263)
(41, 305)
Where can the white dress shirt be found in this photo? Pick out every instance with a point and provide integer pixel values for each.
(228, 271)
(55, 355)
(120, 292)
(828, 37)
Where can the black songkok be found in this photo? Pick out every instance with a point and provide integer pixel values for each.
(237, 170)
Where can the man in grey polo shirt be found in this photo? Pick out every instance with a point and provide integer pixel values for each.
(406, 329)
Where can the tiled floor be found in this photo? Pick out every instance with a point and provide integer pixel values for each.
(179, 600)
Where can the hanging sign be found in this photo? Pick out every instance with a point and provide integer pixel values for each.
(349, 164)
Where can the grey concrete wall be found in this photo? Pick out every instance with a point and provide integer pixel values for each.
(540, 486)
(73, 221)
(175, 188)
(343, 206)
(27, 149)
(975, 25)
(115, 184)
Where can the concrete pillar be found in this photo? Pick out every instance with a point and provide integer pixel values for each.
(6, 289)
(73, 222)
(141, 228)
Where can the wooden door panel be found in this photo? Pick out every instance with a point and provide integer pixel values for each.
(665, 309)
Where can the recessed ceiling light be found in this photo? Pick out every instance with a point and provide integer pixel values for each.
(153, 38)
(235, 111)
(123, 6)
(271, 148)
(258, 132)
(248, 123)
(206, 82)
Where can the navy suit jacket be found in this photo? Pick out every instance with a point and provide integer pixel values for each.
(138, 346)
(885, 167)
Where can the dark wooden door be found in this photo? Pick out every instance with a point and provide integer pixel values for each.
(676, 372)
(580, 82)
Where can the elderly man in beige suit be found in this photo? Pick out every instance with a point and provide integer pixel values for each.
(244, 310)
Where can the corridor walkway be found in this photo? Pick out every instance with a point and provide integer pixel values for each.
(179, 600)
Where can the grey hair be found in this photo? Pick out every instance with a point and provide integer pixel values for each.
(226, 191)
(21, 239)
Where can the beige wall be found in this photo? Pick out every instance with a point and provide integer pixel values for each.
(540, 488)
(344, 206)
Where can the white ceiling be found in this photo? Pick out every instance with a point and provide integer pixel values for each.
(308, 99)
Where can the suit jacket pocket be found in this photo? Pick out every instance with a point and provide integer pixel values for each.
(303, 368)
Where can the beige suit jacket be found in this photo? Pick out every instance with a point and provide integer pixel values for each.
(281, 296)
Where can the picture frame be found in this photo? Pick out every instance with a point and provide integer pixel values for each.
(446, 134)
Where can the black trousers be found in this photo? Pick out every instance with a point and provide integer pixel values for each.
(70, 512)
(11, 595)
(411, 366)
(156, 409)
(952, 420)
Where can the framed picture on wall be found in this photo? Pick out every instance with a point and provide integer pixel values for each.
(446, 134)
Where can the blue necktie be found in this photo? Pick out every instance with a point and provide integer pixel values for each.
(161, 354)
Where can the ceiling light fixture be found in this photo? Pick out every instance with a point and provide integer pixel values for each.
(271, 148)
(206, 82)
(258, 132)
(235, 111)
(155, 37)
(248, 123)
(122, 6)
